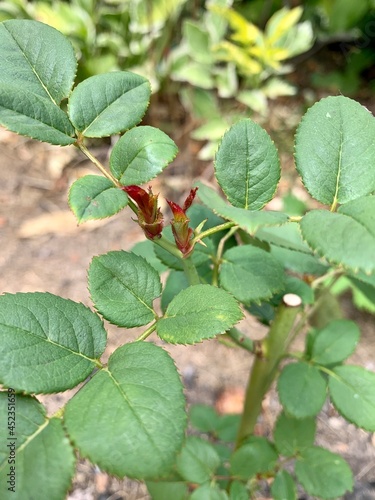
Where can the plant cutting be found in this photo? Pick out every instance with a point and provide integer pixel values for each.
(225, 255)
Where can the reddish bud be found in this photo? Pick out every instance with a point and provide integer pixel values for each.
(149, 216)
(180, 224)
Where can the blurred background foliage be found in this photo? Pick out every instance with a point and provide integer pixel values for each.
(223, 58)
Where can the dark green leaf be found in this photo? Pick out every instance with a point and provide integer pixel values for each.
(43, 457)
(95, 197)
(300, 288)
(146, 249)
(47, 343)
(123, 287)
(108, 104)
(36, 59)
(256, 456)
(335, 150)
(141, 154)
(248, 220)
(327, 234)
(127, 419)
(251, 274)
(176, 282)
(302, 390)
(247, 166)
(323, 474)
(197, 461)
(352, 390)
(335, 342)
(197, 313)
(283, 487)
(29, 114)
(293, 435)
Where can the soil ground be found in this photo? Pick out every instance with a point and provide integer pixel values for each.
(43, 249)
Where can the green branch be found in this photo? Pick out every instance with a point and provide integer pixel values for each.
(265, 365)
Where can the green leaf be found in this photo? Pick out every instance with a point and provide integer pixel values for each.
(123, 287)
(36, 59)
(176, 282)
(108, 104)
(29, 114)
(43, 457)
(250, 274)
(197, 461)
(336, 342)
(197, 313)
(247, 166)
(146, 249)
(141, 154)
(209, 492)
(204, 418)
(95, 197)
(256, 456)
(302, 390)
(327, 234)
(323, 474)
(288, 247)
(238, 491)
(293, 435)
(335, 151)
(47, 343)
(127, 419)
(352, 391)
(168, 489)
(283, 487)
(227, 427)
(248, 220)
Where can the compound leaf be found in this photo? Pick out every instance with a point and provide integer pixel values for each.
(324, 232)
(335, 342)
(247, 165)
(209, 492)
(248, 220)
(108, 104)
(302, 390)
(335, 150)
(47, 343)
(257, 455)
(141, 154)
(95, 197)
(197, 313)
(36, 58)
(251, 274)
(149, 414)
(352, 391)
(197, 461)
(161, 490)
(123, 287)
(323, 473)
(43, 454)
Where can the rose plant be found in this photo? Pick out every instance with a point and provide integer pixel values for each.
(225, 255)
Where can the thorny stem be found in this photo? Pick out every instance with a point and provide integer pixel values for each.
(168, 246)
(219, 253)
(241, 340)
(147, 332)
(265, 365)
